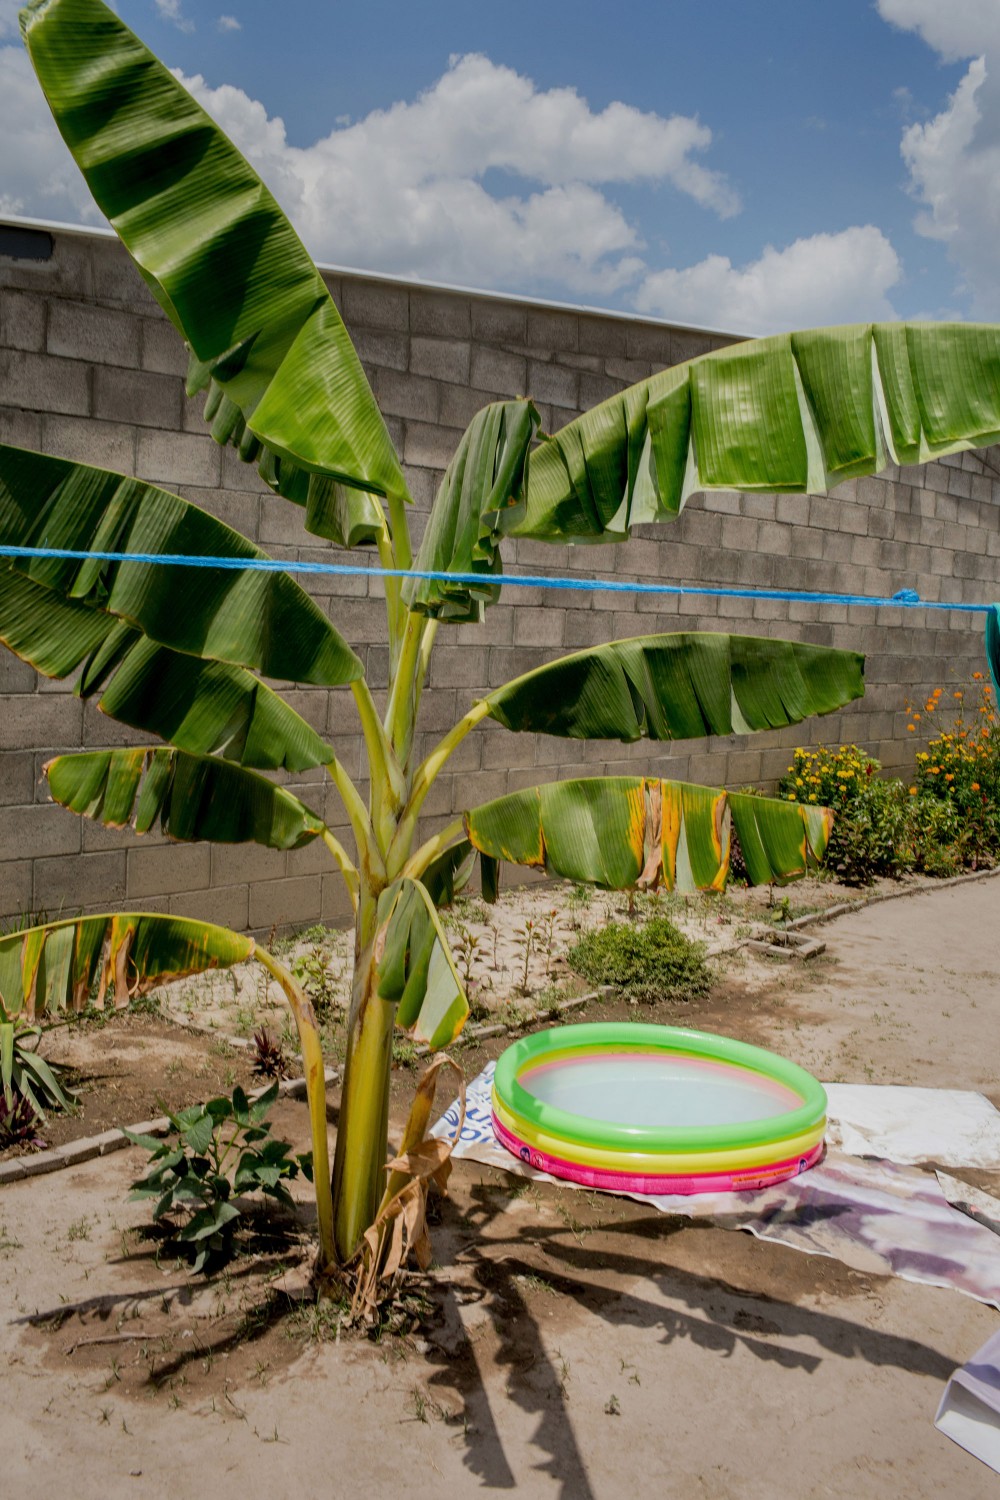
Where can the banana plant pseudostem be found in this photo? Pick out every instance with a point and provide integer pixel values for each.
(182, 653)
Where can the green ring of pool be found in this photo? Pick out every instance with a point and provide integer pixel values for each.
(546, 1046)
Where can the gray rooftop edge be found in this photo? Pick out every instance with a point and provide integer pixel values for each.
(102, 231)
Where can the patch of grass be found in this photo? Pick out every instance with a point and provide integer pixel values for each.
(648, 963)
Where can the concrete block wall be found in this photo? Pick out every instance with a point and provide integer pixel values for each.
(91, 370)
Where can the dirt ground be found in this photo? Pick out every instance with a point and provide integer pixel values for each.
(565, 1344)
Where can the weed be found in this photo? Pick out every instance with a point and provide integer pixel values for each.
(79, 1229)
(212, 1153)
(648, 963)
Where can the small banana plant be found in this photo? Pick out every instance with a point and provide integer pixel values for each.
(190, 654)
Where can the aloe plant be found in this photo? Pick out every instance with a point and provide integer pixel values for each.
(182, 652)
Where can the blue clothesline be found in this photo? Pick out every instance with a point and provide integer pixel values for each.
(904, 599)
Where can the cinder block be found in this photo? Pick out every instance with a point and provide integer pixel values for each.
(22, 320)
(106, 445)
(407, 395)
(429, 447)
(30, 832)
(175, 458)
(138, 397)
(593, 389)
(174, 867)
(604, 336)
(497, 371)
(549, 330)
(244, 864)
(548, 382)
(227, 907)
(116, 279)
(443, 314)
(285, 903)
(539, 627)
(15, 886)
(22, 429)
(161, 348)
(496, 322)
(372, 304)
(441, 359)
(378, 349)
(100, 335)
(38, 719)
(41, 382)
(90, 880)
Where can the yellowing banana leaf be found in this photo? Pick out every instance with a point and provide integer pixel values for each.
(485, 480)
(796, 412)
(192, 796)
(208, 708)
(620, 832)
(286, 387)
(257, 619)
(47, 970)
(680, 686)
(416, 969)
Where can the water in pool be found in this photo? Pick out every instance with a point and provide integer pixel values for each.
(659, 1089)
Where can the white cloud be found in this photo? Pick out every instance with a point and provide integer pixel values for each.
(39, 177)
(228, 23)
(826, 278)
(170, 10)
(402, 189)
(954, 158)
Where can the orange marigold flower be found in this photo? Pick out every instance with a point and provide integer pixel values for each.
(913, 791)
(975, 786)
(912, 728)
(936, 693)
(958, 695)
(977, 676)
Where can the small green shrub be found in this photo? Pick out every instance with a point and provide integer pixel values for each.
(956, 790)
(872, 824)
(211, 1154)
(648, 963)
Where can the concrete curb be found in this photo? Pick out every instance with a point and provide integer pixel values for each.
(93, 1146)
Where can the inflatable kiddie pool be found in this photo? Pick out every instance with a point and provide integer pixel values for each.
(656, 1109)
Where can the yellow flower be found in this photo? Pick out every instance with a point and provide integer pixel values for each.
(812, 796)
(913, 791)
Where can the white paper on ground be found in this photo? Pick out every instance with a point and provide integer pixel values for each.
(969, 1412)
(953, 1127)
(876, 1216)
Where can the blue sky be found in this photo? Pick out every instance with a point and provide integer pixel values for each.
(740, 164)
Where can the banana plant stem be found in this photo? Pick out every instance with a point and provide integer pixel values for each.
(315, 1072)
(346, 865)
(424, 778)
(369, 857)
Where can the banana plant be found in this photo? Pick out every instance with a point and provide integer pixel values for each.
(181, 652)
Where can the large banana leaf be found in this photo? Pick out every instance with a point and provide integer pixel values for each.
(622, 831)
(797, 412)
(192, 796)
(208, 708)
(47, 970)
(286, 388)
(251, 618)
(681, 686)
(486, 477)
(416, 969)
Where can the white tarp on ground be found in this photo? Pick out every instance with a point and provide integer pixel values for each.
(881, 1216)
(906, 1125)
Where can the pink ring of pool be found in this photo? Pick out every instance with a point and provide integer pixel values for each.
(632, 1182)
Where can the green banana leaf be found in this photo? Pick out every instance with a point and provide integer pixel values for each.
(207, 708)
(45, 971)
(620, 832)
(263, 620)
(286, 387)
(681, 686)
(416, 969)
(993, 646)
(449, 874)
(192, 796)
(485, 479)
(796, 412)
